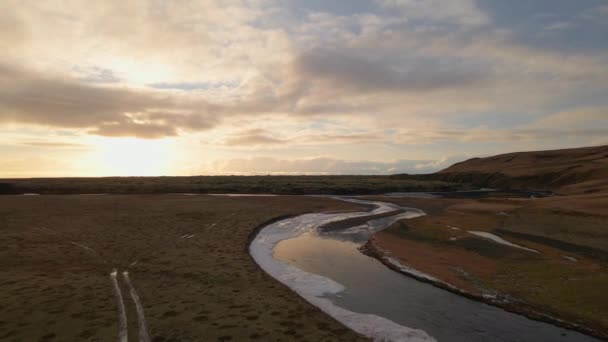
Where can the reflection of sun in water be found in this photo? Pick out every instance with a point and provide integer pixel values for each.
(133, 157)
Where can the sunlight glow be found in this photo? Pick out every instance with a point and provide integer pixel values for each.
(133, 157)
(137, 73)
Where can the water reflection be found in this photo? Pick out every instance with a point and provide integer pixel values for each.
(371, 287)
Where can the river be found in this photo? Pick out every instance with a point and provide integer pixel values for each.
(327, 269)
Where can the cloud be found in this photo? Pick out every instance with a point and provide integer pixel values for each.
(382, 67)
(131, 129)
(349, 69)
(13, 31)
(223, 57)
(395, 77)
(560, 25)
(582, 119)
(51, 144)
(252, 138)
(455, 11)
(585, 124)
(599, 13)
(97, 75)
(325, 165)
(35, 166)
(31, 98)
(481, 135)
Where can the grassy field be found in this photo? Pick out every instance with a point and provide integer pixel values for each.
(187, 258)
(565, 279)
(294, 185)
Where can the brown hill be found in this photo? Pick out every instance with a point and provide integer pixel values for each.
(577, 170)
(568, 171)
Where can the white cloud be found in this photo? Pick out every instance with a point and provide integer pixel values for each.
(453, 11)
(325, 165)
(560, 25)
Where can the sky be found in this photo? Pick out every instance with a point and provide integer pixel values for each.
(144, 88)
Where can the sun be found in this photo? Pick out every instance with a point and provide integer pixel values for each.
(136, 72)
(132, 156)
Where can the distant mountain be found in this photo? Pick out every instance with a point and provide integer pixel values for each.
(570, 171)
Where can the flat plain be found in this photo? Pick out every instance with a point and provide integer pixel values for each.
(187, 259)
(285, 185)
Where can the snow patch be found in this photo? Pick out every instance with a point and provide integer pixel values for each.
(569, 258)
(500, 240)
(410, 270)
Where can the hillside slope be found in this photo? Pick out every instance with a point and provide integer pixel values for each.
(571, 171)
(578, 170)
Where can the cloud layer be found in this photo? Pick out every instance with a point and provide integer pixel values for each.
(30, 98)
(293, 80)
(325, 165)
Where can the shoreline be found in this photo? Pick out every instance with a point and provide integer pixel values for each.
(364, 324)
(373, 251)
(368, 248)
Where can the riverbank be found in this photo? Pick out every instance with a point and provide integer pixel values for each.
(322, 262)
(552, 271)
